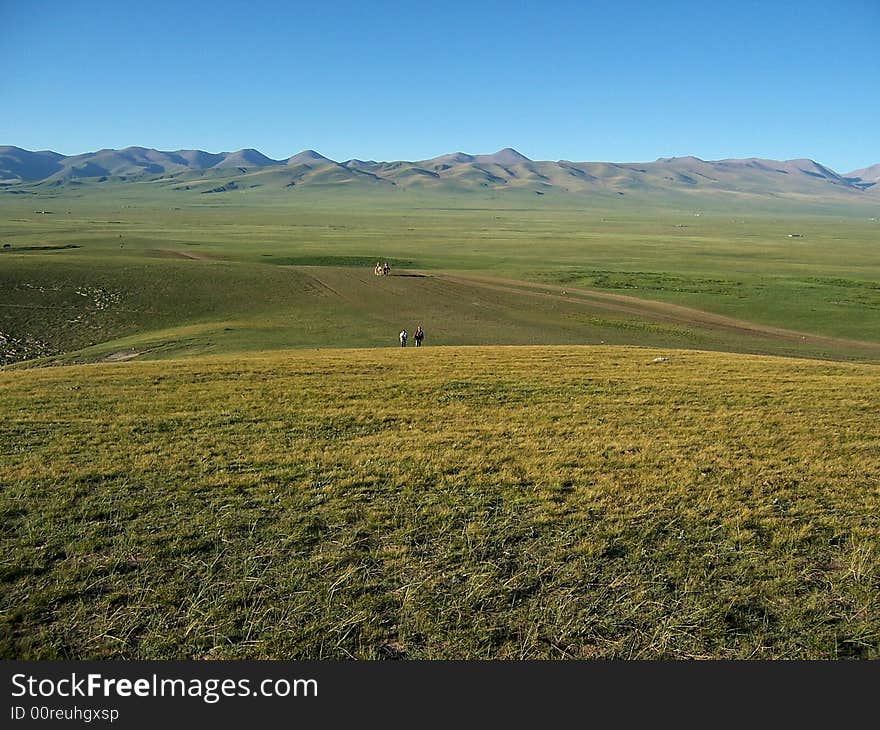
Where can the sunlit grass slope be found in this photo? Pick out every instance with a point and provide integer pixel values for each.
(443, 502)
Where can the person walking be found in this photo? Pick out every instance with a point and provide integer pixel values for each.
(403, 335)
(419, 336)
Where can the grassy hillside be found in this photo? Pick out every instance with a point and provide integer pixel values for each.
(565, 502)
(170, 307)
(112, 271)
(232, 497)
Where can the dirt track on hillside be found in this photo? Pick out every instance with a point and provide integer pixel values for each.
(171, 253)
(659, 311)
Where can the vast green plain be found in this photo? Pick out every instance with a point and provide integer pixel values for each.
(639, 427)
(186, 275)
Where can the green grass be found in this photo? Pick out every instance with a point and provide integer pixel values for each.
(836, 306)
(567, 502)
(358, 262)
(233, 497)
(77, 312)
(240, 294)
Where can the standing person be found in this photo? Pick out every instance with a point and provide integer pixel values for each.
(403, 335)
(419, 336)
(386, 268)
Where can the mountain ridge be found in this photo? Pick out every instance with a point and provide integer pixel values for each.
(456, 171)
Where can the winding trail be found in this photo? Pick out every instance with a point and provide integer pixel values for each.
(656, 311)
(173, 253)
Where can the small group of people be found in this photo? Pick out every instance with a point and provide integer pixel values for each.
(418, 336)
(381, 269)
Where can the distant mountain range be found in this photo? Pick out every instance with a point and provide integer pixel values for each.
(204, 172)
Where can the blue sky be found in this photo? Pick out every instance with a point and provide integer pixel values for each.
(618, 80)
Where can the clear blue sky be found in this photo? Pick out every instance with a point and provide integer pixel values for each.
(618, 80)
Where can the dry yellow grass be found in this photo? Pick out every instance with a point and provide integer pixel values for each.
(515, 502)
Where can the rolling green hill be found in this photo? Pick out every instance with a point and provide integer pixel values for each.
(442, 502)
(96, 271)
